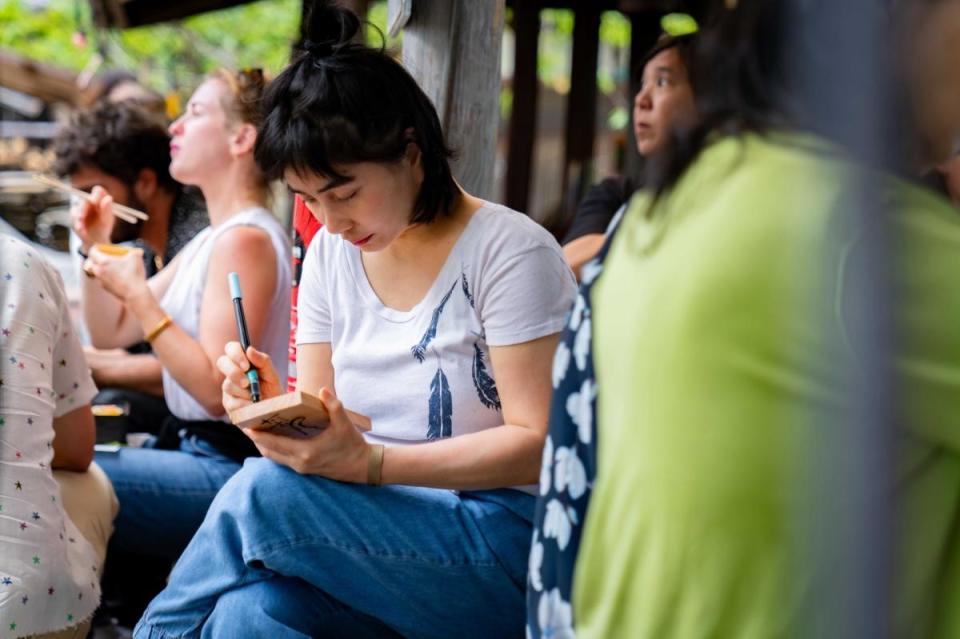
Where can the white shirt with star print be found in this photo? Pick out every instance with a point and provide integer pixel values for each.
(48, 570)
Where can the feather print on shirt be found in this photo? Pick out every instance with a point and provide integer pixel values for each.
(440, 417)
(466, 289)
(486, 387)
(419, 351)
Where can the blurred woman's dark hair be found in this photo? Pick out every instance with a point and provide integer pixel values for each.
(683, 45)
(758, 65)
(340, 102)
(736, 66)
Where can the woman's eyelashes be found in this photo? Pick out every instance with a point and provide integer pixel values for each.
(343, 198)
(333, 197)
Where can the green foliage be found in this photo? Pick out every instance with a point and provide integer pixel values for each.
(556, 43)
(172, 56)
(42, 35)
(615, 29)
(177, 54)
(377, 25)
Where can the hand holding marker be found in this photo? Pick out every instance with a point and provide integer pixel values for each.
(234, 280)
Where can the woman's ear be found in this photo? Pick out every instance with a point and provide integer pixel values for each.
(243, 139)
(413, 155)
(414, 159)
(146, 185)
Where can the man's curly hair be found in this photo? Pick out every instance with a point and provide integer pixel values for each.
(120, 139)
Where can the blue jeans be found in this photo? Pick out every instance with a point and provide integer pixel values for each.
(286, 555)
(163, 494)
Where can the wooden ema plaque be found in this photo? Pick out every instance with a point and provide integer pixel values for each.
(299, 415)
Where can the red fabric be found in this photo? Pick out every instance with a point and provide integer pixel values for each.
(305, 227)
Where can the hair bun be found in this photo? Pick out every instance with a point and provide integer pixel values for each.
(317, 49)
(328, 28)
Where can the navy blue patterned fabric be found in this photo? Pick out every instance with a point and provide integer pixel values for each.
(567, 472)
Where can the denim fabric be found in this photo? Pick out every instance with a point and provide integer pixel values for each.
(163, 494)
(286, 555)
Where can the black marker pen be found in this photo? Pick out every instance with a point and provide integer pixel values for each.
(234, 280)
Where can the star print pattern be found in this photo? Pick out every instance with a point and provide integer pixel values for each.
(46, 583)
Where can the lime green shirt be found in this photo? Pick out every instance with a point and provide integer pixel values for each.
(723, 357)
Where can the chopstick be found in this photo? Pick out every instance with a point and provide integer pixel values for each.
(125, 213)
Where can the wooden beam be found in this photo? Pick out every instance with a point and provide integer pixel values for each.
(625, 6)
(581, 105)
(41, 80)
(135, 13)
(452, 48)
(523, 114)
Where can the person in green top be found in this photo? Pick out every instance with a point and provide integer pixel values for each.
(727, 347)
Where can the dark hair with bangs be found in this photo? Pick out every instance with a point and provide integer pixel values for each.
(736, 67)
(682, 43)
(340, 102)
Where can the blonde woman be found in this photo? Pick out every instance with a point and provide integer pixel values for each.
(186, 312)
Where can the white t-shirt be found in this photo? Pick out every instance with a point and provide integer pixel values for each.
(424, 374)
(48, 570)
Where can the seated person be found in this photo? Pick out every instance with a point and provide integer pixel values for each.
(186, 313)
(666, 96)
(431, 312)
(778, 438)
(56, 508)
(665, 101)
(127, 152)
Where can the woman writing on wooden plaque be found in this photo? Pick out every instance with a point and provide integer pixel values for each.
(430, 311)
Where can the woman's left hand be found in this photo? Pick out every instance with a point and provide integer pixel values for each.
(339, 452)
(119, 275)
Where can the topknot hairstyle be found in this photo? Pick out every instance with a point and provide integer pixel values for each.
(340, 102)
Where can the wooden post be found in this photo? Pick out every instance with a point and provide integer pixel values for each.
(581, 105)
(523, 114)
(452, 48)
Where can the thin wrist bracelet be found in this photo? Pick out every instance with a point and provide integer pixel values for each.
(375, 465)
(159, 328)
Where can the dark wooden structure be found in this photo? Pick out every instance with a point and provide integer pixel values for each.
(45, 81)
(451, 49)
(580, 129)
(122, 14)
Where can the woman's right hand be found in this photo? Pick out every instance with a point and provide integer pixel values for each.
(234, 364)
(93, 221)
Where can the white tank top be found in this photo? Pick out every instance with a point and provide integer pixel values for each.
(182, 302)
